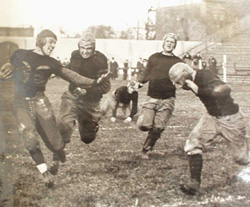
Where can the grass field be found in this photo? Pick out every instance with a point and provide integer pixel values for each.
(110, 173)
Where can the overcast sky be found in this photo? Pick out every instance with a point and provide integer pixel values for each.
(75, 15)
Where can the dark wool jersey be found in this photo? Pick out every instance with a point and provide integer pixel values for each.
(29, 82)
(92, 67)
(123, 96)
(216, 106)
(156, 72)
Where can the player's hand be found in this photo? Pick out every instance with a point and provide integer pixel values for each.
(79, 92)
(192, 85)
(104, 77)
(127, 120)
(113, 119)
(6, 71)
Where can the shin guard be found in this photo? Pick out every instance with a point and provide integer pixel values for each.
(195, 167)
(37, 156)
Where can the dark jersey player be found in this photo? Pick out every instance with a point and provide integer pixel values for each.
(158, 108)
(83, 105)
(125, 97)
(223, 118)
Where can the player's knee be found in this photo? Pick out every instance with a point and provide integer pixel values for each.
(31, 140)
(88, 139)
(88, 134)
(31, 144)
(59, 145)
(64, 126)
(241, 160)
(143, 123)
(66, 130)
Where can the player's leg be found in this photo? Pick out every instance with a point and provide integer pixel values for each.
(145, 122)
(153, 135)
(164, 112)
(114, 104)
(58, 155)
(66, 123)
(67, 116)
(46, 124)
(47, 128)
(26, 119)
(88, 130)
(105, 106)
(233, 129)
(88, 122)
(125, 108)
(147, 114)
(202, 135)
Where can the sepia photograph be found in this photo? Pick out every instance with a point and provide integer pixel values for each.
(136, 103)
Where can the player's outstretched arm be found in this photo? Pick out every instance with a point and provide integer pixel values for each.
(103, 85)
(76, 79)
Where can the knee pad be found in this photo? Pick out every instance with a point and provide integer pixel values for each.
(88, 134)
(37, 155)
(144, 128)
(31, 140)
(32, 144)
(66, 131)
(89, 139)
(242, 160)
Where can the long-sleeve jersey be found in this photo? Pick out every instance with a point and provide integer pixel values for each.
(92, 67)
(28, 81)
(123, 96)
(217, 104)
(156, 72)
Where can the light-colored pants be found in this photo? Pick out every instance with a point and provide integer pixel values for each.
(155, 113)
(232, 128)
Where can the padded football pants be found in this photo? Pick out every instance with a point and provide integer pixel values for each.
(85, 113)
(36, 117)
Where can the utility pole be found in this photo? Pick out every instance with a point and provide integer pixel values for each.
(138, 30)
(150, 25)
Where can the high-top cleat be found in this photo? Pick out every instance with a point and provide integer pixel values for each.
(48, 180)
(190, 188)
(54, 168)
(144, 154)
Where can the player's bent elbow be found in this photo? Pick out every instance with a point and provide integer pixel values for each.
(221, 90)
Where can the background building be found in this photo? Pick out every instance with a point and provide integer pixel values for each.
(196, 21)
(17, 31)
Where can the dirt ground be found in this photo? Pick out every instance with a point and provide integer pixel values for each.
(110, 172)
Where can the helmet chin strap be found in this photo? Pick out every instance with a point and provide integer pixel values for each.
(41, 47)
